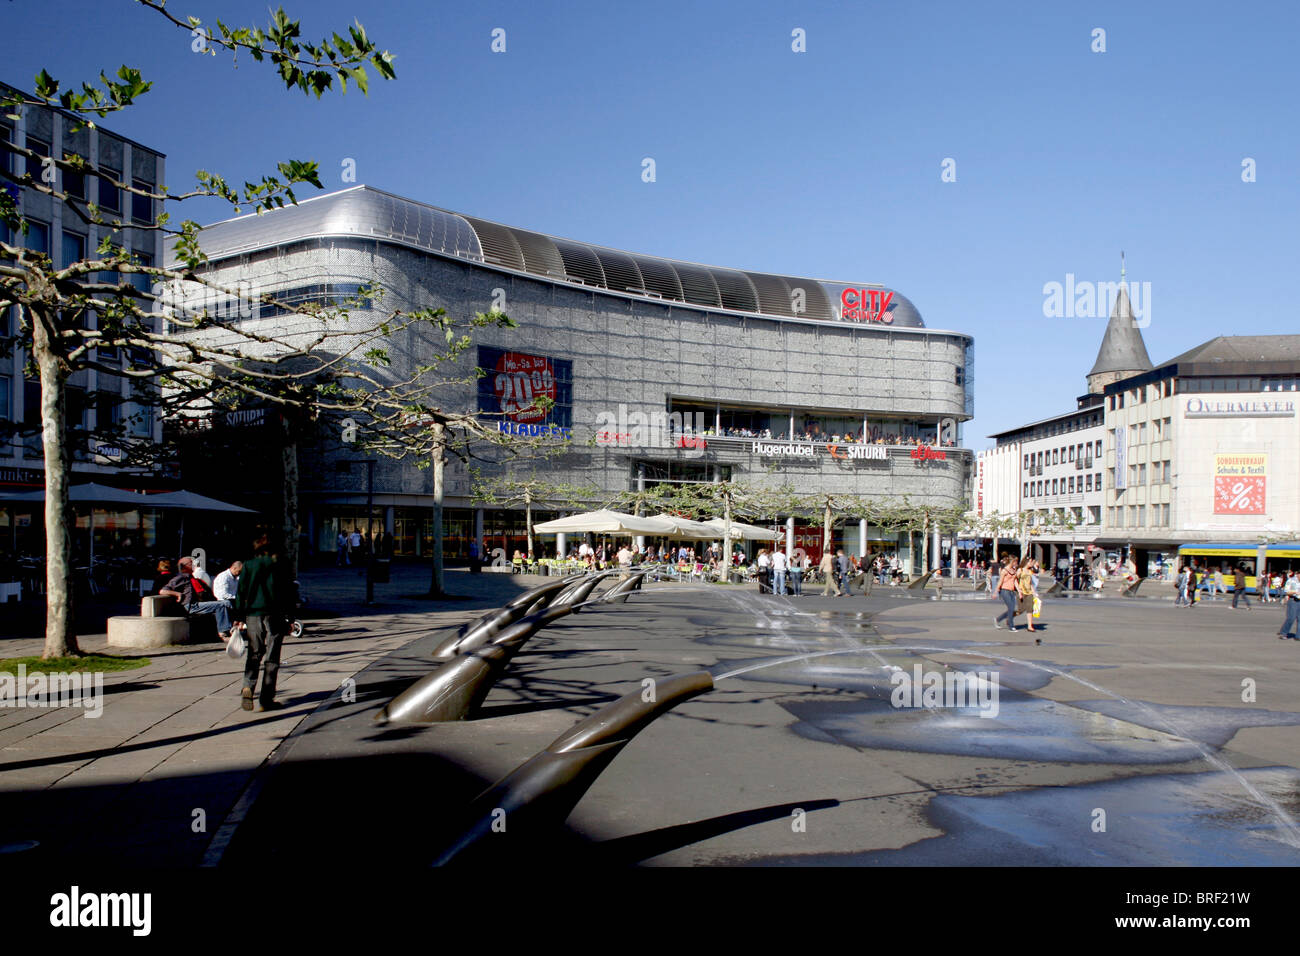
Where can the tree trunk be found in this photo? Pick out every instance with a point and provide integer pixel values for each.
(827, 531)
(60, 635)
(925, 544)
(289, 492)
(726, 529)
(436, 586)
(528, 517)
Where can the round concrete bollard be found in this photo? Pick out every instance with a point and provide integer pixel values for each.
(132, 631)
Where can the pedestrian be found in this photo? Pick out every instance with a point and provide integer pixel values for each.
(340, 550)
(798, 568)
(1291, 598)
(265, 603)
(780, 566)
(1186, 585)
(1025, 588)
(827, 568)
(1006, 591)
(844, 567)
(764, 572)
(1218, 585)
(1239, 587)
(1032, 596)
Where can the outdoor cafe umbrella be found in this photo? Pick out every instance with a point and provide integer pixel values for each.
(739, 529)
(686, 528)
(605, 522)
(95, 494)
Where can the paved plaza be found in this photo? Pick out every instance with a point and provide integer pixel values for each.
(1134, 734)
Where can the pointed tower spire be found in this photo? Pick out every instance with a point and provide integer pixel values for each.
(1123, 352)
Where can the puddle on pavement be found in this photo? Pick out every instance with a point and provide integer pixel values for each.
(1200, 819)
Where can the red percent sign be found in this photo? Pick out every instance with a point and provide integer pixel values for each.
(1238, 496)
(521, 378)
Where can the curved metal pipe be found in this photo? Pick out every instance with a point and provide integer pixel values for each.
(537, 797)
(528, 597)
(577, 594)
(619, 592)
(481, 630)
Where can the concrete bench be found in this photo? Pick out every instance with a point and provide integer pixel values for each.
(161, 623)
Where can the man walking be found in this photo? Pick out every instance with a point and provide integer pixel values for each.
(844, 568)
(1291, 599)
(827, 568)
(780, 565)
(264, 602)
(1239, 587)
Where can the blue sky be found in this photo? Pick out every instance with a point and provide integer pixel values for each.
(825, 163)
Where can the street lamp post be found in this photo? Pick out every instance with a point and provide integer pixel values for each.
(370, 522)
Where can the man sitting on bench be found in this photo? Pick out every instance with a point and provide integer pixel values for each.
(196, 597)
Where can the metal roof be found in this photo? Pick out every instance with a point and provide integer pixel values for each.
(1122, 348)
(364, 212)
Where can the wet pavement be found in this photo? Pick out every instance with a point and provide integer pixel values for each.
(882, 730)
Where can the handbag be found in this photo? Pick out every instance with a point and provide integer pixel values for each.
(236, 647)
(1038, 606)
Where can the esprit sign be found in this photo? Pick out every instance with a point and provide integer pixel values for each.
(866, 305)
(858, 452)
(926, 453)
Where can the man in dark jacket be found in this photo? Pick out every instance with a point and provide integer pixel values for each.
(265, 601)
(1239, 588)
(844, 568)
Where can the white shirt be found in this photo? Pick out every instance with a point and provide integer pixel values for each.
(225, 586)
(779, 561)
(624, 558)
(764, 561)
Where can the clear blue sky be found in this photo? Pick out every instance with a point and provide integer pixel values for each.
(825, 163)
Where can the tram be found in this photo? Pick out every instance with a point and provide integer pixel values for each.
(1280, 557)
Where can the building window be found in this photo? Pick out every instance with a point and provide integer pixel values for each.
(1096, 480)
(1088, 483)
(1099, 448)
(6, 407)
(1164, 516)
(74, 182)
(34, 163)
(74, 248)
(142, 206)
(110, 197)
(1040, 488)
(1054, 483)
(1141, 474)
(1026, 462)
(1071, 453)
(1070, 482)
(38, 236)
(1142, 516)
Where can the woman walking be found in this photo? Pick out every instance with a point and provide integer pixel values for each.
(1007, 593)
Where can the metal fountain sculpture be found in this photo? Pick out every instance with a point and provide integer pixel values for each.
(537, 797)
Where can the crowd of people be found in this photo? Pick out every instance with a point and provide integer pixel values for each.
(847, 438)
(355, 547)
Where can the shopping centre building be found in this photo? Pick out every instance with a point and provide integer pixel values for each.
(656, 370)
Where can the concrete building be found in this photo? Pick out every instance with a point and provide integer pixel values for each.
(1203, 448)
(94, 397)
(659, 370)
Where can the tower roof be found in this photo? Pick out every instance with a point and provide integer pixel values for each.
(1122, 348)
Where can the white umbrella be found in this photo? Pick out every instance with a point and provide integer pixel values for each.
(605, 522)
(739, 529)
(686, 528)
